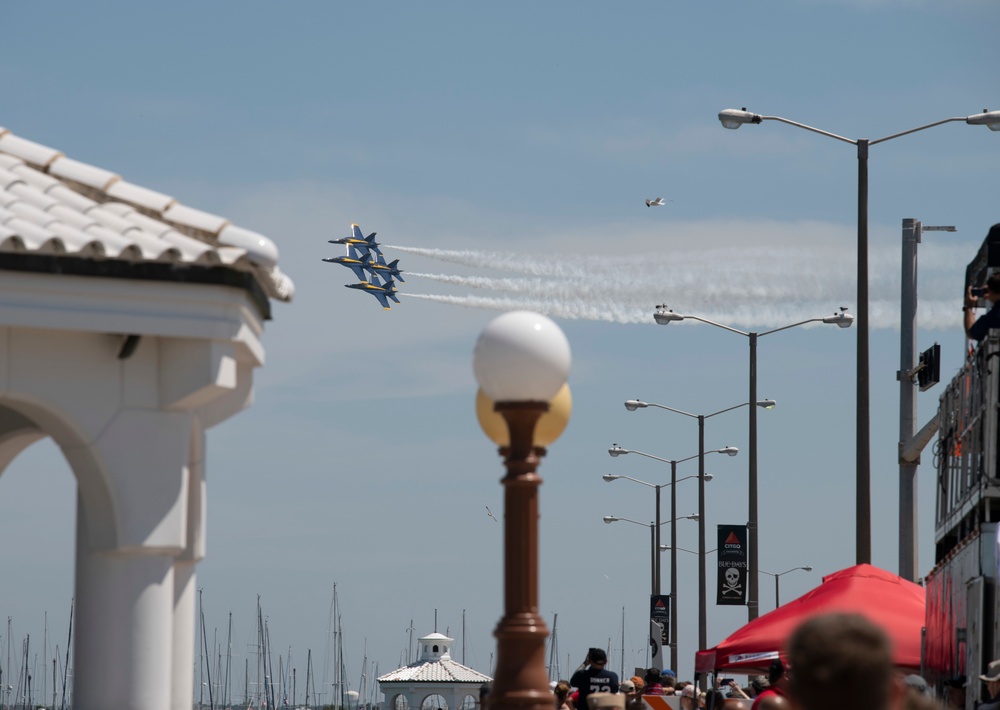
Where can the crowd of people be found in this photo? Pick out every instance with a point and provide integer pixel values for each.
(831, 661)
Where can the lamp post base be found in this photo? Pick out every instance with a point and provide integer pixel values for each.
(521, 681)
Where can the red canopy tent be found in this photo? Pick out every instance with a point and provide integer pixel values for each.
(892, 602)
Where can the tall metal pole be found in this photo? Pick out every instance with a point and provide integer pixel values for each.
(673, 565)
(863, 499)
(702, 592)
(752, 589)
(908, 400)
(777, 599)
(656, 547)
(652, 559)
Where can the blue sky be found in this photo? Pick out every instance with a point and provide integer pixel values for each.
(525, 136)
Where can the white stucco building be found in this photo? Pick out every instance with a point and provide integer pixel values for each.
(435, 682)
(129, 325)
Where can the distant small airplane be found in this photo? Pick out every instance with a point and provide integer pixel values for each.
(657, 202)
(386, 270)
(381, 291)
(362, 243)
(490, 513)
(354, 261)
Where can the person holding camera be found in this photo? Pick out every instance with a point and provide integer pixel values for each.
(593, 677)
(977, 329)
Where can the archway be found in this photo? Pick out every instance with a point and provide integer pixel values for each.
(434, 702)
(38, 511)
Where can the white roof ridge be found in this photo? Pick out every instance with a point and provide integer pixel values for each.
(58, 205)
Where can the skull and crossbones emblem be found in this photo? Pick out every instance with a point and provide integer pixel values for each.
(731, 582)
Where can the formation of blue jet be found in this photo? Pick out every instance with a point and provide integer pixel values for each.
(365, 259)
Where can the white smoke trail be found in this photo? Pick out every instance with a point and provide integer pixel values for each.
(934, 315)
(751, 287)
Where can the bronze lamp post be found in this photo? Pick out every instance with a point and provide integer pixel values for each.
(521, 362)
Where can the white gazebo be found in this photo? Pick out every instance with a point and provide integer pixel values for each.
(129, 325)
(435, 682)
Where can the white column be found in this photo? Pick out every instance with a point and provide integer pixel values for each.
(123, 641)
(182, 662)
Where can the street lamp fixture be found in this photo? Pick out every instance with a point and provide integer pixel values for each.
(664, 548)
(733, 119)
(703, 477)
(654, 529)
(609, 477)
(521, 361)
(664, 316)
(608, 519)
(777, 576)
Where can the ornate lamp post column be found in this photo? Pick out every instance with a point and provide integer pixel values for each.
(521, 361)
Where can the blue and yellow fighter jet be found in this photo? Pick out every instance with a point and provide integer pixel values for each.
(383, 292)
(363, 244)
(390, 270)
(354, 261)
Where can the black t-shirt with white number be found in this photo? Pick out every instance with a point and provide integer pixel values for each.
(593, 680)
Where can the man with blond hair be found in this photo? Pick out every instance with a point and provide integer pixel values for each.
(834, 657)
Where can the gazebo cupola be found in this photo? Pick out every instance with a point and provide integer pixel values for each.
(434, 647)
(434, 682)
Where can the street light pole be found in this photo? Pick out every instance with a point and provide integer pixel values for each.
(777, 576)
(665, 316)
(733, 119)
(633, 404)
(912, 235)
(673, 564)
(702, 585)
(654, 548)
(616, 450)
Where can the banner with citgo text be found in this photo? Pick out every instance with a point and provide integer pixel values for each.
(732, 557)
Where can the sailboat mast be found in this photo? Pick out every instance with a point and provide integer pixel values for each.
(206, 658)
(463, 637)
(229, 664)
(364, 676)
(623, 644)
(260, 649)
(69, 643)
(309, 662)
(45, 655)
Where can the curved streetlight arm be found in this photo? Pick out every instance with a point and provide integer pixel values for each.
(712, 322)
(634, 404)
(920, 128)
(670, 409)
(793, 325)
(614, 476)
(731, 118)
(807, 568)
(727, 409)
(759, 335)
(727, 450)
(811, 128)
(615, 518)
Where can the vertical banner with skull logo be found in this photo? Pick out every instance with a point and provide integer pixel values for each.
(659, 627)
(732, 556)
